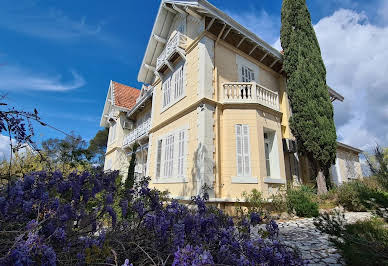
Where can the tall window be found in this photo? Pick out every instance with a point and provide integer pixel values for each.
(242, 150)
(169, 156)
(173, 87)
(267, 151)
(181, 152)
(247, 74)
(178, 78)
(167, 92)
(158, 158)
(112, 133)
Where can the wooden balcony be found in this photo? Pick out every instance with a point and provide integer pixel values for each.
(250, 92)
(175, 46)
(139, 132)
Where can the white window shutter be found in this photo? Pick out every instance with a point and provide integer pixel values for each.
(164, 151)
(246, 153)
(239, 152)
(158, 158)
(171, 165)
(181, 152)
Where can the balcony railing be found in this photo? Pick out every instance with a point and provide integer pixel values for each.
(138, 132)
(250, 92)
(175, 44)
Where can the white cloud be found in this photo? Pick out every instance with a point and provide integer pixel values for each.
(356, 56)
(14, 78)
(5, 149)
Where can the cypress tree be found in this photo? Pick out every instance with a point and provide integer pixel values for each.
(130, 181)
(311, 121)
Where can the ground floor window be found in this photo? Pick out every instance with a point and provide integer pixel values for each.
(242, 150)
(271, 155)
(172, 154)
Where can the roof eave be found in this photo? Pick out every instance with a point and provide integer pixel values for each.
(237, 26)
(347, 147)
(212, 10)
(107, 107)
(335, 94)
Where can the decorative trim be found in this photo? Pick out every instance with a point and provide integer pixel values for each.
(211, 200)
(245, 180)
(185, 111)
(269, 180)
(173, 180)
(206, 66)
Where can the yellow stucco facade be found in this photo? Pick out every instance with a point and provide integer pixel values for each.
(218, 115)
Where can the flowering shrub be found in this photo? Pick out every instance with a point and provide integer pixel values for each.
(47, 218)
(167, 232)
(84, 218)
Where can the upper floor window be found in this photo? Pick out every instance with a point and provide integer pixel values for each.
(247, 74)
(247, 71)
(112, 133)
(173, 87)
(242, 151)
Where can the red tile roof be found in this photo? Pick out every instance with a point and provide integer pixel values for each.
(124, 96)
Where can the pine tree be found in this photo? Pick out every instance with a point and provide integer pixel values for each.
(312, 121)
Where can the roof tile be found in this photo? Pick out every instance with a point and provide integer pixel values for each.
(124, 96)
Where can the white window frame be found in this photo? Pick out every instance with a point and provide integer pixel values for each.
(178, 155)
(169, 86)
(273, 156)
(108, 165)
(243, 62)
(242, 137)
(112, 133)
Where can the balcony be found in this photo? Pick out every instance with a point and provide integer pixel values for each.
(175, 45)
(250, 92)
(138, 132)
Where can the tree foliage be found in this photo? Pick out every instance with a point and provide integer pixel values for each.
(312, 121)
(67, 154)
(130, 180)
(97, 146)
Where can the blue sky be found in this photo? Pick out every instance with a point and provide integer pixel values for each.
(59, 56)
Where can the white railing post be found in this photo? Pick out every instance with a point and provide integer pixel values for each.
(250, 92)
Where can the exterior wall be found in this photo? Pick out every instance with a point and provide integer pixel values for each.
(256, 117)
(177, 116)
(177, 188)
(347, 167)
(257, 121)
(227, 71)
(190, 91)
(115, 154)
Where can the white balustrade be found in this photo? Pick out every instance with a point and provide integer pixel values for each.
(250, 92)
(176, 42)
(139, 131)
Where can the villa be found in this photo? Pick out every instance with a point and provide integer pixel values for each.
(213, 111)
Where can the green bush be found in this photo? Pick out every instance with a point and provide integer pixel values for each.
(361, 195)
(278, 203)
(254, 201)
(362, 243)
(302, 202)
